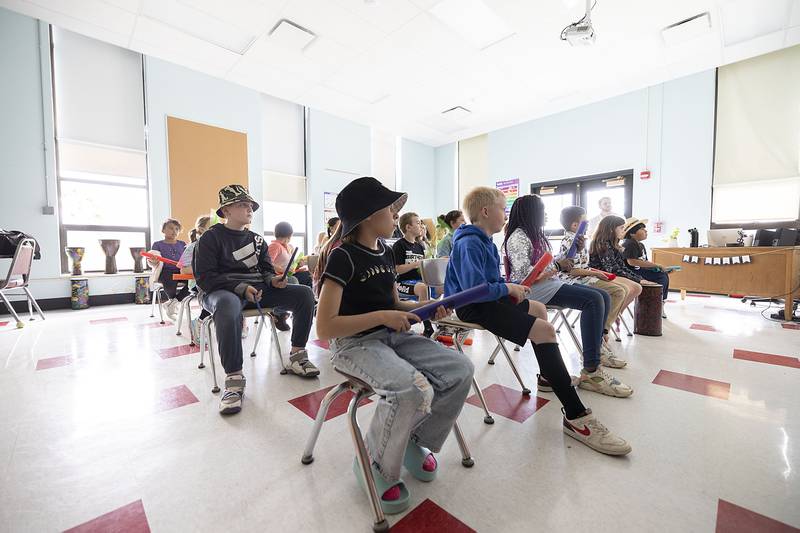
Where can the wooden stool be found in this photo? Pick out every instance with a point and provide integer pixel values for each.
(362, 390)
(647, 311)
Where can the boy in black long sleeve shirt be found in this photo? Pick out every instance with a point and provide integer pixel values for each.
(233, 270)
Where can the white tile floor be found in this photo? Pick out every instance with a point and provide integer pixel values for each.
(83, 439)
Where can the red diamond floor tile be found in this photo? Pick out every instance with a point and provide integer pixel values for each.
(768, 358)
(54, 362)
(108, 320)
(130, 518)
(322, 344)
(427, 517)
(309, 403)
(695, 384)
(784, 326)
(509, 403)
(734, 519)
(703, 327)
(3, 324)
(174, 397)
(177, 351)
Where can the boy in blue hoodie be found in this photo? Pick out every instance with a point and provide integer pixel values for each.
(474, 260)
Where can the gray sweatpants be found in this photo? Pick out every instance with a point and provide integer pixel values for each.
(226, 307)
(421, 387)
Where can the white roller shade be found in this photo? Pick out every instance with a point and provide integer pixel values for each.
(384, 157)
(99, 95)
(473, 165)
(280, 187)
(758, 119)
(77, 158)
(282, 136)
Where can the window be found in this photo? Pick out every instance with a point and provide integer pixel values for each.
(587, 191)
(101, 160)
(294, 214)
(757, 143)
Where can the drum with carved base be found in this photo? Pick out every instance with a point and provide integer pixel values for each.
(647, 311)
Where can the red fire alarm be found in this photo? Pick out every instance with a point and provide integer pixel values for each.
(644, 174)
(658, 227)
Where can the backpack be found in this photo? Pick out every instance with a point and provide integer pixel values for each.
(9, 240)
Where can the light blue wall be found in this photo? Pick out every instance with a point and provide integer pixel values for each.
(668, 128)
(418, 178)
(338, 151)
(179, 92)
(446, 163)
(22, 140)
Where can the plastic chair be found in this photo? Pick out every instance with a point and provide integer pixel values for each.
(18, 277)
(157, 292)
(362, 390)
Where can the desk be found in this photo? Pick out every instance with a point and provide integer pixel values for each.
(774, 271)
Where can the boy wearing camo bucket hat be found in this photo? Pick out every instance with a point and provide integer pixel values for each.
(233, 270)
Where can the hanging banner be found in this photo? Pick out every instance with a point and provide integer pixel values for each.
(510, 189)
(329, 206)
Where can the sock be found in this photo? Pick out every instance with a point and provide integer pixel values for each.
(429, 464)
(391, 494)
(552, 367)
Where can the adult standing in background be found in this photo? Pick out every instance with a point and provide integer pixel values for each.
(605, 209)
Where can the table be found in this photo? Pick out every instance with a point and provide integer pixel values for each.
(773, 271)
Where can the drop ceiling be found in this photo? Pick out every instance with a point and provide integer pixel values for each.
(398, 64)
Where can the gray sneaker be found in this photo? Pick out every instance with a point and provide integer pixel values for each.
(301, 366)
(231, 401)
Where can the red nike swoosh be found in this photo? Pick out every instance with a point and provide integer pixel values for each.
(585, 431)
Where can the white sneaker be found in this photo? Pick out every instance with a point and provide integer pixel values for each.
(599, 381)
(595, 435)
(301, 366)
(245, 329)
(231, 401)
(609, 359)
(172, 309)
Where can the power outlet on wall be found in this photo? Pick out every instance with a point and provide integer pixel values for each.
(48, 210)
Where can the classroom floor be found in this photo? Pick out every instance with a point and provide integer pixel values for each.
(106, 421)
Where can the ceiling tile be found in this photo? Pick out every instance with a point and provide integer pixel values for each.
(94, 12)
(327, 18)
(387, 15)
(743, 20)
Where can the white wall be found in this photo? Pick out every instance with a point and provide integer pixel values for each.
(172, 90)
(338, 151)
(668, 129)
(445, 189)
(418, 178)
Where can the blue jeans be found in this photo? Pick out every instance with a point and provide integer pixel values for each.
(421, 387)
(662, 278)
(593, 303)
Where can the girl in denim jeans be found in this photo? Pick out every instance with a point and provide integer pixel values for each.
(421, 385)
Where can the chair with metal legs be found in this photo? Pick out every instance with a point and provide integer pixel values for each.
(158, 294)
(18, 277)
(207, 339)
(560, 315)
(361, 391)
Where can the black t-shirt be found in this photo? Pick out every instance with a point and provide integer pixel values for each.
(633, 249)
(407, 252)
(367, 277)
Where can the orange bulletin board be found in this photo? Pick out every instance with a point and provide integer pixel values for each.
(202, 160)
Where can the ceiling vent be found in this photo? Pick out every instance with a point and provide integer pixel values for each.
(457, 113)
(687, 29)
(289, 35)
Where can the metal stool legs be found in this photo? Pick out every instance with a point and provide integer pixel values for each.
(487, 418)
(258, 336)
(207, 339)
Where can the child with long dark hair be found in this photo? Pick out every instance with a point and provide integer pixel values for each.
(421, 385)
(453, 220)
(524, 243)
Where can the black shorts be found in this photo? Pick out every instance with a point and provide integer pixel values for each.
(502, 317)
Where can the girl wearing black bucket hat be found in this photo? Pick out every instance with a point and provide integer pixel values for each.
(421, 384)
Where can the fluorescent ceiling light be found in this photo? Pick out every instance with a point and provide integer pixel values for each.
(473, 20)
(687, 29)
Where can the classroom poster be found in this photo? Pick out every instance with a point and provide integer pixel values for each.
(510, 189)
(329, 206)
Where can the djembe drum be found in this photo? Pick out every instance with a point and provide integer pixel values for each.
(138, 268)
(110, 248)
(76, 255)
(647, 311)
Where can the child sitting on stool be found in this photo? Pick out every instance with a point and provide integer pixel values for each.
(170, 248)
(421, 385)
(635, 253)
(408, 256)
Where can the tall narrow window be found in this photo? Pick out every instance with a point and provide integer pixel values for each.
(100, 144)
